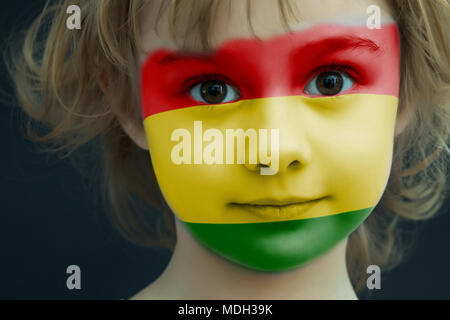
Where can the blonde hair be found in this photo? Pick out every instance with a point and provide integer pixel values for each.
(57, 85)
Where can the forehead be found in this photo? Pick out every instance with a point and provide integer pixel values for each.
(230, 19)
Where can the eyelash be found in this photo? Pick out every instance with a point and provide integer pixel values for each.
(191, 82)
(333, 66)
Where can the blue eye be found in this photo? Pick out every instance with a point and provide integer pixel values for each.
(214, 92)
(329, 83)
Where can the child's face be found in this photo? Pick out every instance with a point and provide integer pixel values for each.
(330, 92)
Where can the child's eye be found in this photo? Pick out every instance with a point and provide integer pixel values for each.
(329, 83)
(214, 92)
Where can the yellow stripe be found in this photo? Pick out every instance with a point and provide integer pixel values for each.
(346, 142)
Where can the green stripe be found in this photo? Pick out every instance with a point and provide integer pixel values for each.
(278, 246)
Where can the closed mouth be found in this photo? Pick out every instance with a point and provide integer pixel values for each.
(274, 209)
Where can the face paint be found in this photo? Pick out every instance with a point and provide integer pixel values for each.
(335, 150)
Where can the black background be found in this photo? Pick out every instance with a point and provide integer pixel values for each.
(49, 221)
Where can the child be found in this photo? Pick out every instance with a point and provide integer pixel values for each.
(356, 138)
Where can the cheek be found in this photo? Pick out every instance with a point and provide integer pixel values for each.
(356, 149)
(193, 189)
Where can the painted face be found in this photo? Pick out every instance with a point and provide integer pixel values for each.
(319, 105)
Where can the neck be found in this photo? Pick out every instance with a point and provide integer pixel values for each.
(195, 272)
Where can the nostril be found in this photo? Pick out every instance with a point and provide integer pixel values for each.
(294, 164)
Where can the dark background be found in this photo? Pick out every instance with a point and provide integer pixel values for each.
(49, 221)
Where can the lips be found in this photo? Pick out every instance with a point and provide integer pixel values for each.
(277, 208)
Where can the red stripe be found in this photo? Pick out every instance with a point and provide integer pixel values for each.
(280, 66)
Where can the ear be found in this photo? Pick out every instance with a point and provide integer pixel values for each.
(134, 129)
(402, 119)
(132, 126)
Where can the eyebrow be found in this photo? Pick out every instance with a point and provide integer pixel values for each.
(351, 42)
(172, 57)
(338, 43)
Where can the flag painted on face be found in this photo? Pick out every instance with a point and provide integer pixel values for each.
(335, 148)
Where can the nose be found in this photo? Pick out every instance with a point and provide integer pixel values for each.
(292, 150)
